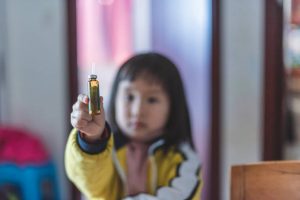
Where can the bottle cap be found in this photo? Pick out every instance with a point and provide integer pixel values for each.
(92, 76)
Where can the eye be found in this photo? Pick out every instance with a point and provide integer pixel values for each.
(129, 97)
(152, 100)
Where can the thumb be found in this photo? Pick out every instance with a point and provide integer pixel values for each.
(101, 103)
(101, 106)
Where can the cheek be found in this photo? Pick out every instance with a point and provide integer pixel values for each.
(165, 115)
(123, 116)
(161, 115)
(120, 110)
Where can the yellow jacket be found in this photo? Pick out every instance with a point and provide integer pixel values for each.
(101, 176)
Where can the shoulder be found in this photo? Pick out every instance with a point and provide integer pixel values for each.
(187, 161)
(182, 167)
(188, 153)
(184, 153)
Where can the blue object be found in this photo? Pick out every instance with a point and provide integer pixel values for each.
(37, 182)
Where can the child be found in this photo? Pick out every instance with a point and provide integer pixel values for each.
(146, 150)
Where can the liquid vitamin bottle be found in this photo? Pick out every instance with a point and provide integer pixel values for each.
(94, 95)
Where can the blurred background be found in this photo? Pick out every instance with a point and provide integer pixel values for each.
(240, 62)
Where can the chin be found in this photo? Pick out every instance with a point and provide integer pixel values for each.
(140, 139)
(144, 140)
(137, 139)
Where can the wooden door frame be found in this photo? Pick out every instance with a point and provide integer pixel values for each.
(274, 82)
(72, 69)
(216, 99)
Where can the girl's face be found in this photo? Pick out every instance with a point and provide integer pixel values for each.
(142, 109)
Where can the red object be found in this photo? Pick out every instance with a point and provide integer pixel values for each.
(295, 18)
(295, 72)
(21, 147)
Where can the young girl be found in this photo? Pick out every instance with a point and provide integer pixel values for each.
(146, 150)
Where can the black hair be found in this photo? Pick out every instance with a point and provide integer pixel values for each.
(158, 68)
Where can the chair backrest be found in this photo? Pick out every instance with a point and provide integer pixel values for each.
(273, 180)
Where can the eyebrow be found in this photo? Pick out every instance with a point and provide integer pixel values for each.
(149, 91)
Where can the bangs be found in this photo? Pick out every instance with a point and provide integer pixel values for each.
(153, 68)
(150, 71)
(133, 73)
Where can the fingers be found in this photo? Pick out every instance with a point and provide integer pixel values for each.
(81, 115)
(101, 102)
(81, 103)
(79, 106)
(91, 125)
(83, 98)
(78, 123)
(102, 110)
(80, 119)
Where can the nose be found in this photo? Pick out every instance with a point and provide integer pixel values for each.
(137, 108)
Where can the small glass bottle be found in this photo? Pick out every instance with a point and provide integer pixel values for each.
(94, 95)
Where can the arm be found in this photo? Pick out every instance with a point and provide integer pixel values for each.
(94, 174)
(88, 155)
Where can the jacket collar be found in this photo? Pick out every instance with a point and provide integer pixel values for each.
(121, 140)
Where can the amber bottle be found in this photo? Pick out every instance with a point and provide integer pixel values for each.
(94, 95)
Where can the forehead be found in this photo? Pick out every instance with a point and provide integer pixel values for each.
(141, 85)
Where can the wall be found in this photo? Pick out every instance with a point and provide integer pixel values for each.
(35, 71)
(2, 62)
(242, 75)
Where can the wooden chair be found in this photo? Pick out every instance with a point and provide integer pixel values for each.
(273, 180)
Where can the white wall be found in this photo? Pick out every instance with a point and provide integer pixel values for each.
(3, 110)
(242, 51)
(36, 76)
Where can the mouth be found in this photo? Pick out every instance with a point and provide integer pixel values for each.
(138, 125)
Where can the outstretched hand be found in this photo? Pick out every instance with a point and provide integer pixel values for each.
(91, 125)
